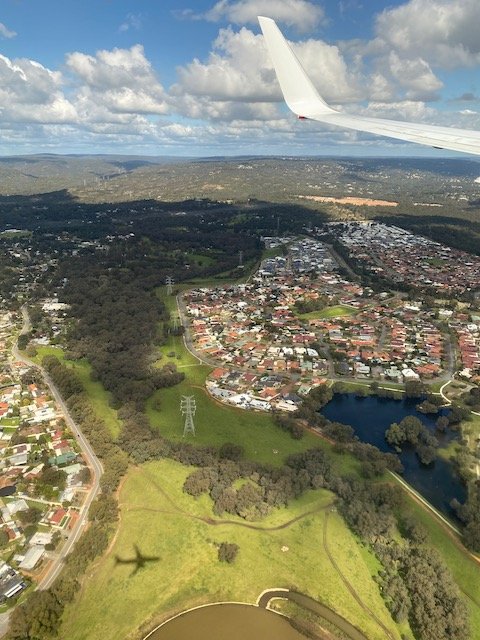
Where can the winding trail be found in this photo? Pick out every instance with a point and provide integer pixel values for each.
(176, 510)
(349, 585)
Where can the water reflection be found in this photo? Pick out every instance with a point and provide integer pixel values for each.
(370, 417)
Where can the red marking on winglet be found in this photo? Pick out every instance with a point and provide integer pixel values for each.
(302, 118)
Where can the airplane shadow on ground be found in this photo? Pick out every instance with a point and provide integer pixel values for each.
(139, 560)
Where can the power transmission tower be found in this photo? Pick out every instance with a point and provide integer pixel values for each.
(169, 281)
(175, 323)
(188, 408)
(240, 259)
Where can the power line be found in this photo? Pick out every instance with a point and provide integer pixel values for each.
(188, 408)
(169, 281)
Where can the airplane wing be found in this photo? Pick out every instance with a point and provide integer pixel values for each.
(305, 101)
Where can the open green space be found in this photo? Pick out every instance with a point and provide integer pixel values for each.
(165, 523)
(97, 395)
(200, 259)
(216, 423)
(337, 311)
(9, 422)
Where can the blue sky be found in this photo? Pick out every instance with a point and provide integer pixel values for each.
(193, 78)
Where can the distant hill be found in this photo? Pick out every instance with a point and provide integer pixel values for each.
(418, 184)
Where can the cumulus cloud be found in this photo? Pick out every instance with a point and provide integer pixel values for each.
(119, 81)
(238, 68)
(442, 32)
(5, 32)
(303, 15)
(237, 80)
(410, 110)
(415, 76)
(31, 92)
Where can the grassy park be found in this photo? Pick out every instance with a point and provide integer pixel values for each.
(167, 524)
(337, 311)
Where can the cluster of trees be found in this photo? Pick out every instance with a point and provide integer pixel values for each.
(368, 508)
(114, 460)
(227, 552)
(469, 513)
(431, 404)
(117, 327)
(472, 398)
(289, 424)
(373, 462)
(417, 586)
(412, 431)
(415, 582)
(316, 399)
(260, 489)
(303, 305)
(415, 389)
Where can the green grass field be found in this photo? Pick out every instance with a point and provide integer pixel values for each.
(165, 523)
(336, 311)
(216, 423)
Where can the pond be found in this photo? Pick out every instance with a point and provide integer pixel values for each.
(370, 417)
(232, 621)
(9, 490)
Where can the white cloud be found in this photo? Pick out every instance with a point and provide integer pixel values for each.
(238, 82)
(132, 21)
(415, 76)
(442, 32)
(237, 69)
(410, 110)
(5, 32)
(301, 14)
(31, 92)
(117, 81)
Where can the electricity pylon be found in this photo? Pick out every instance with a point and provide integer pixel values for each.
(169, 281)
(188, 408)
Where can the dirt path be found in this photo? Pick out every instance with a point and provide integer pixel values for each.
(349, 585)
(176, 510)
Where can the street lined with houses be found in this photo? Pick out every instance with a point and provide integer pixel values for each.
(50, 474)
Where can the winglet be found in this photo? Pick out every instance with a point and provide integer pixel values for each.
(297, 88)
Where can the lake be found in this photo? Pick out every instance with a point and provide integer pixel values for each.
(232, 621)
(370, 417)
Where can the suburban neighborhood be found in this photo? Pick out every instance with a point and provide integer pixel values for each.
(44, 476)
(300, 320)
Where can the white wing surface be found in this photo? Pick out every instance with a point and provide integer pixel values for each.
(305, 101)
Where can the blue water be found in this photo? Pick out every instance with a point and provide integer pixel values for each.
(370, 417)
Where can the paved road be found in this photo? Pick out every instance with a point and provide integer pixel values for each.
(94, 463)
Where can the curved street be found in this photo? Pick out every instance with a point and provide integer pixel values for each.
(93, 462)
